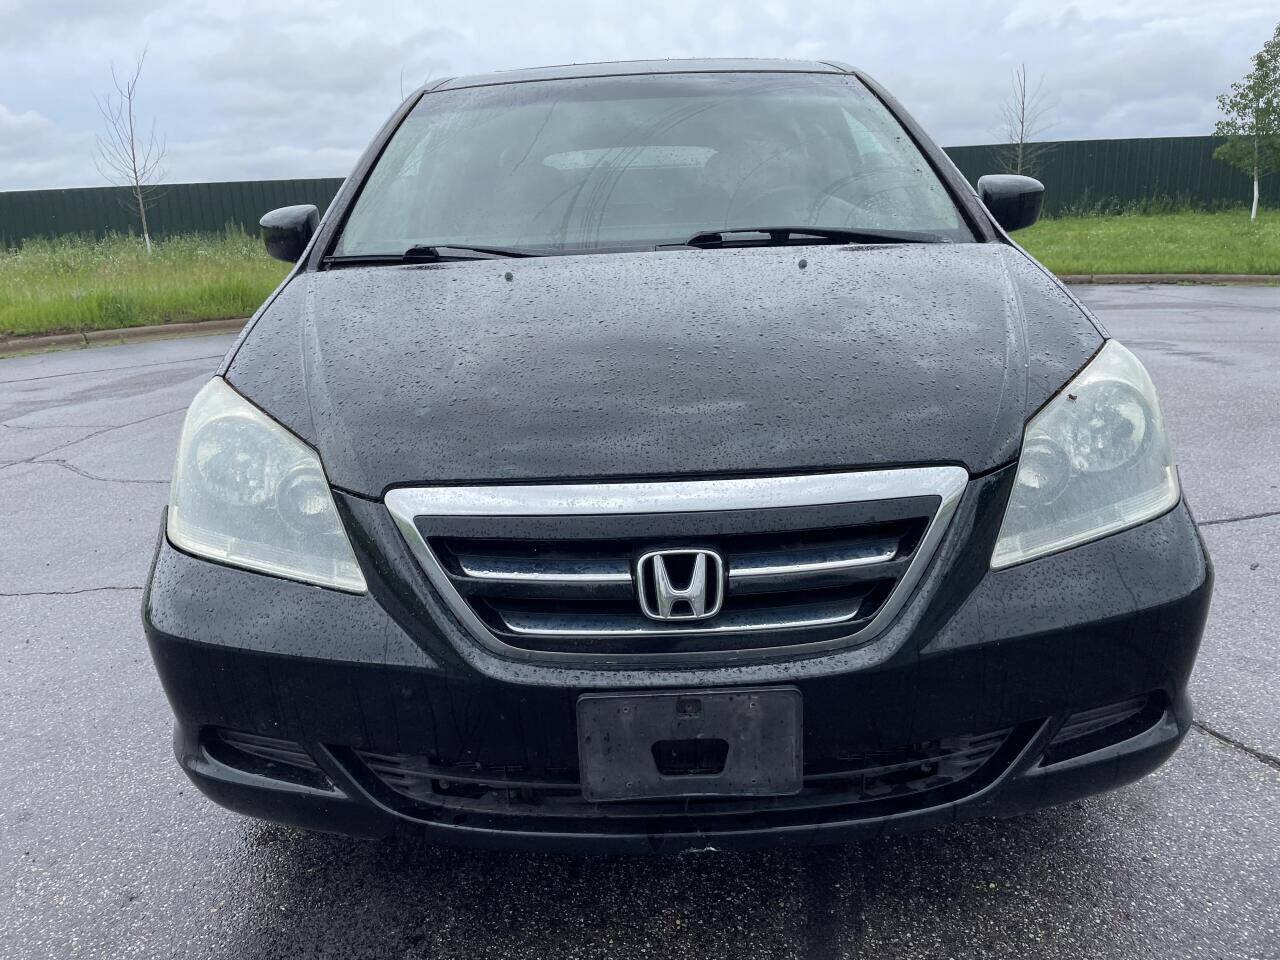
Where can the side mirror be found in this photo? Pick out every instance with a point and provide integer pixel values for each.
(1014, 201)
(287, 230)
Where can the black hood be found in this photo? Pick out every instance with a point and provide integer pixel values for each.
(698, 362)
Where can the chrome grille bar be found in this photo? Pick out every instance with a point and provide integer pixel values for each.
(607, 625)
(779, 565)
(802, 562)
(543, 571)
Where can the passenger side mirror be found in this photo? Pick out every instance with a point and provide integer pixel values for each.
(287, 230)
(1014, 201)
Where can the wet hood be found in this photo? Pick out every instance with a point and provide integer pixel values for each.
(706, 362)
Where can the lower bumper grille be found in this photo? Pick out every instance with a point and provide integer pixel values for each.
(265, 757)
(871, 784)
(791, 562)
(1090, 730)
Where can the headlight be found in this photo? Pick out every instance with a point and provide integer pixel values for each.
(1094, 461)
(249, 493)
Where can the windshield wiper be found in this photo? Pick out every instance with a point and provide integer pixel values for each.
(787, 236)
(424, 253)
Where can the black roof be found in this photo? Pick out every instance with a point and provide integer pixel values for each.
(633, 67)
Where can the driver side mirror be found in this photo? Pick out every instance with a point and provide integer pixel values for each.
(287, 230)
(1014, 201)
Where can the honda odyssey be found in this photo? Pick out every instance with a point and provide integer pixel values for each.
(653, 456)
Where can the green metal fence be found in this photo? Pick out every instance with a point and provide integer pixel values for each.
(1110, 175)
(175, 208)
(1078, 174)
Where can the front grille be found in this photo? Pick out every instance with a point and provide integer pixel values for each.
(581, 594)
(553, 570)
(874, 783)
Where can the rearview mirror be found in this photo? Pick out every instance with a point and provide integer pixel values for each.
(1014, 201)
(287, 230)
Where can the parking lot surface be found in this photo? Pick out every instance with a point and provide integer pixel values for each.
(107, 851)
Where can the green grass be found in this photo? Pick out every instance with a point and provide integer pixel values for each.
(76, 284)
(1185, 242)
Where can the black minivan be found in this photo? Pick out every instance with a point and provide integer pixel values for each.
(661, 455)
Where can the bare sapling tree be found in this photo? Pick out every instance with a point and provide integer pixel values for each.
(1024, 118)
(126, 155)
(1251, 118)
(426, 81)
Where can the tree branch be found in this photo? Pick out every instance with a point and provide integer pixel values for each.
(121, 157)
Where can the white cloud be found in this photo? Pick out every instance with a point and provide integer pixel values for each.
(19, 130)
(33, 150)
(245, 90)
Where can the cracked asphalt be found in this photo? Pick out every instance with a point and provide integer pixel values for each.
(107, 851)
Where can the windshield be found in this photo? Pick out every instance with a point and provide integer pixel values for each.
(627, 162)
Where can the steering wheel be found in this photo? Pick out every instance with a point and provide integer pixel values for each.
(758, 208)
(830, 192)
(762, 207)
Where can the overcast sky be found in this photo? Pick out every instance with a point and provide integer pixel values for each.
(247, 90)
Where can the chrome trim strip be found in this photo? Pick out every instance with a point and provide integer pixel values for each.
(742, 621)
(586, 572)
(746, 570)
(407, 503)
(502, 570)
(673, 496)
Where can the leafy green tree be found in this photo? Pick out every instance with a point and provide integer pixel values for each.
(1251, 118)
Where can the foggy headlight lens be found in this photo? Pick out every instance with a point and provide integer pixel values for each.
(247, 492)
(1094, 461)
(1108, 428)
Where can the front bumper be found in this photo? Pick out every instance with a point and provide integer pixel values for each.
(1006, 658)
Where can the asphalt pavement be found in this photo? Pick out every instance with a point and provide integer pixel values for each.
(107, 851)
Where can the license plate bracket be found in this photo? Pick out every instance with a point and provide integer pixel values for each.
(668, 744)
